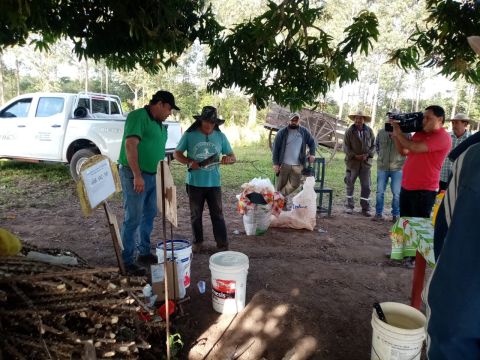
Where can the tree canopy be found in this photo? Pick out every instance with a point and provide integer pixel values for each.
(281, 55)
(443, 43)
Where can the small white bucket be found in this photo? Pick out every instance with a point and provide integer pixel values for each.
(183, 254)
(401, 337)
(229, 281)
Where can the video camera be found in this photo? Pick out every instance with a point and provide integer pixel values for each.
(409, 122)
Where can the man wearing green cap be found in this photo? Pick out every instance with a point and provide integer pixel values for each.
(143, 146)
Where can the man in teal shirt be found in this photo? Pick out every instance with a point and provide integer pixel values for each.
(201, 141)
(143, 146)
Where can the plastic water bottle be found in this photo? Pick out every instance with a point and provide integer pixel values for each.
(201, 286)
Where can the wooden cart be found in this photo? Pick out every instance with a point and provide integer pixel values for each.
(326, 129)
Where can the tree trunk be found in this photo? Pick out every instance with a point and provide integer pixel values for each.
(471, 92)
(252, 116)
(17, 75)
(342, 101)
(106, 79)
(2, 87)
(86, 75)
(455, 101)
(135, 98)
(375, 97)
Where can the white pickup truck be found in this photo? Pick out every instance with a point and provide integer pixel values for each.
(67, 128)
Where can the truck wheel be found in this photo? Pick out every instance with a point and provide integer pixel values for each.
(78, 159)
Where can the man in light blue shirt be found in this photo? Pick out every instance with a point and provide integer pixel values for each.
(204, 143)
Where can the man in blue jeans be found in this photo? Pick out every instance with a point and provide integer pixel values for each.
(204, 140)
(143, 146)
(389, 166)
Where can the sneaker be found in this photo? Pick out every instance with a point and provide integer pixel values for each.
(146, 260)
(378, 217)
(135, 270)
(196, 248)
(394, 218)
(366, 213)
(349, 211)
(222, 247)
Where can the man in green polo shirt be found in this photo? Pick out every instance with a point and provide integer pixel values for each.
(143, 146)
(204, 140)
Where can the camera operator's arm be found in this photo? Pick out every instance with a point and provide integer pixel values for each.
(403, 144)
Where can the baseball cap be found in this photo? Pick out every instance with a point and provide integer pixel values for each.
(166, 97)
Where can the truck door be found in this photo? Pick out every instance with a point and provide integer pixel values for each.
(48, 128)
(14, 130)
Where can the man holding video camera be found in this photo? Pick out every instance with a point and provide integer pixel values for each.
(425, 153)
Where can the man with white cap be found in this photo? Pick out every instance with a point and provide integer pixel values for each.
(459, 133)
(359, 148)
(289, 154)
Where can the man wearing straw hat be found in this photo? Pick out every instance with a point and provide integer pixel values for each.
(453, 296)
(359, 148)
(459, 133)
(204, 140)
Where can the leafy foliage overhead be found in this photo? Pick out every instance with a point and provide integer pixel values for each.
(280, 55)
(443, 43)
(150, 33)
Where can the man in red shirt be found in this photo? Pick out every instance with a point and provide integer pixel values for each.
(425, 152)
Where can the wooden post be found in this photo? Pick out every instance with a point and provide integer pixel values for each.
(418, 281)
(164, 222)
(115, 233)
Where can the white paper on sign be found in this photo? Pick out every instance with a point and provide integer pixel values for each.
(99, 183)
(170, 193)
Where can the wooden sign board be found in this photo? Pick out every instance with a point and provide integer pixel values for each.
(99, 180)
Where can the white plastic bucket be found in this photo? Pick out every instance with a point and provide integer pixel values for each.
(229, 281)
(257, 220)
(183, 254)
(401, 338)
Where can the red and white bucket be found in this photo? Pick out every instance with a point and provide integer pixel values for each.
(229, 281)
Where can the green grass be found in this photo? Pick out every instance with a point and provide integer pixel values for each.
(12, 171)
(254, 160)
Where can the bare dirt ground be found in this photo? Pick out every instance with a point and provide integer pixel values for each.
(309, 293)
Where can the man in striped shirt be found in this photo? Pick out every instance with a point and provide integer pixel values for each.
(459, 133)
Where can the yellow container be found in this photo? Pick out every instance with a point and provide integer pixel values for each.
(438, 201)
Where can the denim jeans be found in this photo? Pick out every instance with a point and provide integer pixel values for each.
(395, 186)
(140, 211)
(197, 197)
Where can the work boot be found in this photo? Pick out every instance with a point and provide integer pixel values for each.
(366, 213)
(222, 247)
(378, 217)
(147, 260)
(135, 270)
(196, 248)
(394, 218)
